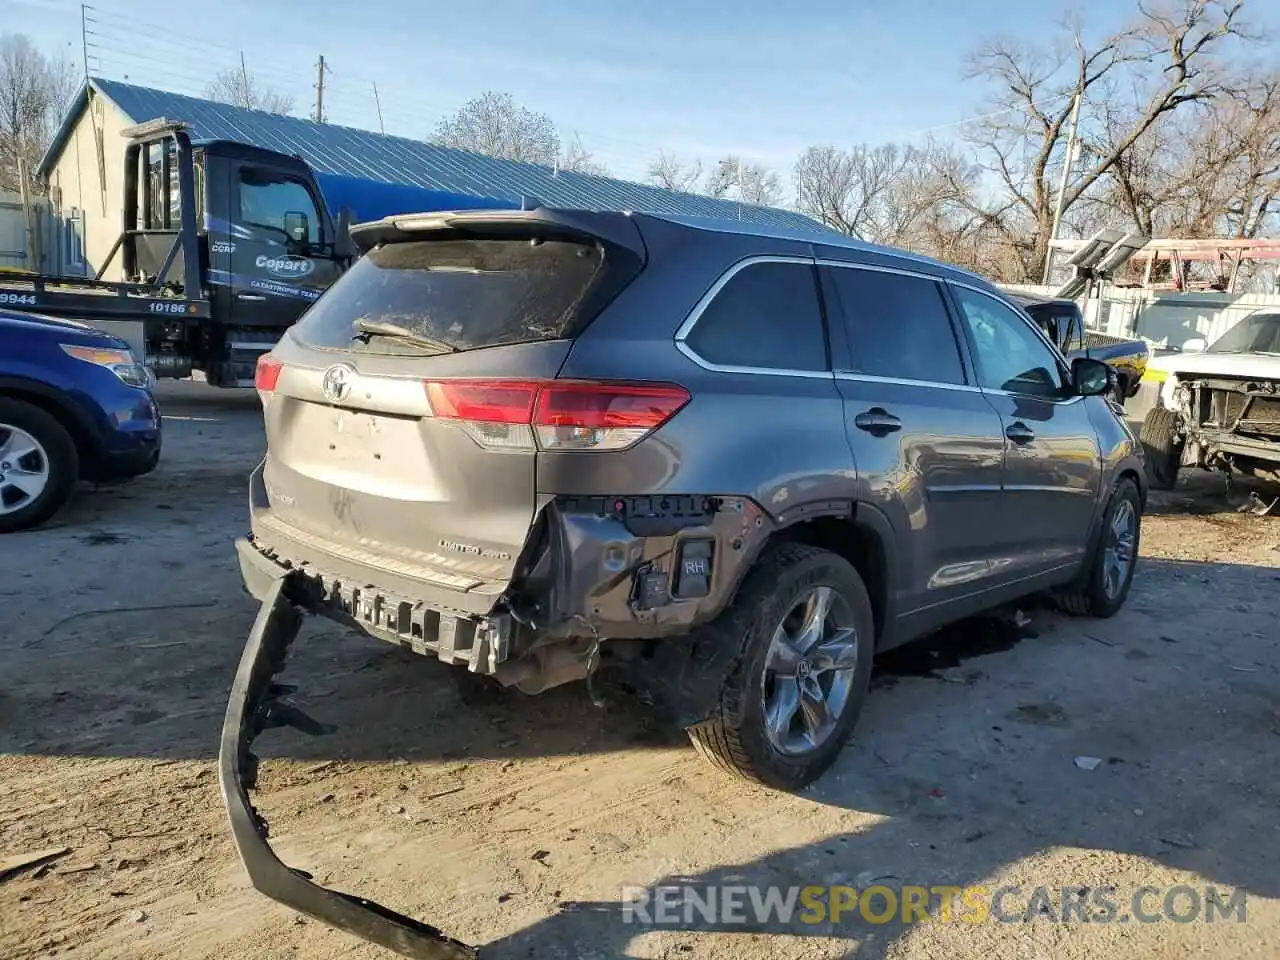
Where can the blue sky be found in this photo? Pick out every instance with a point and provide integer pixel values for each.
(697, 78)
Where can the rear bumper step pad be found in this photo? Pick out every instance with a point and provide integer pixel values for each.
(257, 704)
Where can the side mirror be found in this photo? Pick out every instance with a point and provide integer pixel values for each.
(297, 226)
(1091, 378)
(1194, 345)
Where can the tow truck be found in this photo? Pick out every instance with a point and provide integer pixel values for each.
(222, 246)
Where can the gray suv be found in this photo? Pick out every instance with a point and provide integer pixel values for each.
(734, 464)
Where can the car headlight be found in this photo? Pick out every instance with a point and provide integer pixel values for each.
(120, 362)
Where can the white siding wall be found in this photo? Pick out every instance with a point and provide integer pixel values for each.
(91, 191)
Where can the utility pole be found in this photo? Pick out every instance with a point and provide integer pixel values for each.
(378, 102)
(321, 68)
(244, 81)
(1062, 185)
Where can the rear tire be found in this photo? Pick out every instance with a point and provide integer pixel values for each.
(793, 698)
(1105, 584)
(39, 465)
(1163, 447)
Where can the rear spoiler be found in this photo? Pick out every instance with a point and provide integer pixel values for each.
(618, 229)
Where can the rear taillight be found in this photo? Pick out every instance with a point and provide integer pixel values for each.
(267, 372)
(555, 414)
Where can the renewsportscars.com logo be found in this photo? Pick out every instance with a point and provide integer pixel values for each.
(287, 267)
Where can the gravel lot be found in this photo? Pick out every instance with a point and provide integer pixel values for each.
(516, 824)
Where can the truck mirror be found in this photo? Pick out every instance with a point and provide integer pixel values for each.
(297, 226)
(343, 246)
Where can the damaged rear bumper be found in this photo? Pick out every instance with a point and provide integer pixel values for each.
(256, 705)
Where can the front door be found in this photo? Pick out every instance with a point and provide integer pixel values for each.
(280, 260)
(927, 444)
(1053, 463)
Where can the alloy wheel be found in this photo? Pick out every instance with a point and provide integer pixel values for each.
(809, 671)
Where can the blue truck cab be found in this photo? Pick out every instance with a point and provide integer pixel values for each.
(75, 404)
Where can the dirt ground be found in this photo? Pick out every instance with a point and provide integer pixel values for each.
(516, 825)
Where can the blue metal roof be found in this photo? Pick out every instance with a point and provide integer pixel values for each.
(348, 152)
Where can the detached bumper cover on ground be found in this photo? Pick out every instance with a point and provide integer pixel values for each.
(255, 706)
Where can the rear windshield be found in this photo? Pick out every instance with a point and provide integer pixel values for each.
(461, 294)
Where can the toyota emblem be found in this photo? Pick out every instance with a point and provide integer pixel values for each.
(337, 382)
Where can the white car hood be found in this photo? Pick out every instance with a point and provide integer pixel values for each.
(1260, 365)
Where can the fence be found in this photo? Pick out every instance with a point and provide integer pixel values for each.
(58, 242)
(1165, 319)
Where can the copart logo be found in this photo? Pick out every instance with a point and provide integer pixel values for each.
(287, 267)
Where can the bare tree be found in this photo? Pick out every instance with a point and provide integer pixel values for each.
(1214, 171)
(1164, 60)
(495, 125)
(578, 158)
(670, 172)
(906, 196)
(34, 90)
(753, 182)
(730, 177)
(240, 88)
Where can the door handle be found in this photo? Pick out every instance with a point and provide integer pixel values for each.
(1019, 432)
(255, 297)
(877, 421)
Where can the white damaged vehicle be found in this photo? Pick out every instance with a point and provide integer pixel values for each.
(1219, 406)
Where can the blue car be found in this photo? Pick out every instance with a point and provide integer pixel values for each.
(75, 404)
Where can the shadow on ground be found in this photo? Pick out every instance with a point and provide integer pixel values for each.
(1209, 775)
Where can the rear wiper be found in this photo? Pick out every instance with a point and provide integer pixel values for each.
(368, 329)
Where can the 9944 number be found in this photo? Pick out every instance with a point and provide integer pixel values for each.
(18, 299)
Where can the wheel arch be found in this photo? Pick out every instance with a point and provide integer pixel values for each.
(860, 534)
(58, 406)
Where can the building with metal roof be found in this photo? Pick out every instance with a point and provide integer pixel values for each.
(83, 164)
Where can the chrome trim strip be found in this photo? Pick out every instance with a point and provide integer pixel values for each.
(935, 384)
(1034, 396)
(877, 268)
(704, 301)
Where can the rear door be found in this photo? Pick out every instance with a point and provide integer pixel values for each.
(400, 429)
(1053, 464)
(927, 443)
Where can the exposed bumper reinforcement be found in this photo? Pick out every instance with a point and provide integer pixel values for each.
(255, 705)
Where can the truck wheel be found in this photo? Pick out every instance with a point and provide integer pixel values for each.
(38, 465)
(1120, 392)
(1104, 585)
(1163, 447)
(803, 622)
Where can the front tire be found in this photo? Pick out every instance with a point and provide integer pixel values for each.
(1163, 447)
(1105, 585)
(804, 624)
(38, 465)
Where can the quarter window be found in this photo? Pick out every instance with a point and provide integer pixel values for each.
(767, 317)
(1010, 355)
(898, 325)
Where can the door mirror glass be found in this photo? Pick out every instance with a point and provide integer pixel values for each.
(1091, 378)
(1194, 345)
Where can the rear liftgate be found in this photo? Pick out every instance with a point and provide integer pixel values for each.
(255, 706)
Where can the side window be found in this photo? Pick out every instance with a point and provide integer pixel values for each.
(1009, 354)
(280, 207)
(898, 325)
(767, 316)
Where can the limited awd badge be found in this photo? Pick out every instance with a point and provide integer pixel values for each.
(338, 382)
